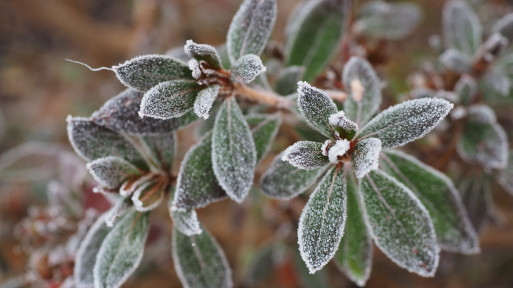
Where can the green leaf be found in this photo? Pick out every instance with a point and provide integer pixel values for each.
(169, 99)
(314, 36)
(461, 27)
(111, 171)
(264, 129)
(119, 208)
(205, 100)
(262, 264)
(199, 261)
(506, 175)
(364, 89)
(476, 194)
(316, 107)
(284, 181)
(161, 148)
(456, 60)
(483, 140)
(317, 280)
(406, 122)
(143, 72)
(354, 255)
(322, 221)
(149, 195)
(496, 82)
(197, 185)
(87, 251)
(247, 68)
(306, 155)
(203, 52)
(286, 83)
(453, 229)
(92, 141)
(399, 224)
(504, 26)
(365, 156)
(233, 151)
(466, 89)
(185, 221)
(122, 250)
(250, 28)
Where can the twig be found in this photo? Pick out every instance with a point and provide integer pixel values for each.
(260, 96)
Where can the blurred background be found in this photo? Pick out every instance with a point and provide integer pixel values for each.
(38, 89)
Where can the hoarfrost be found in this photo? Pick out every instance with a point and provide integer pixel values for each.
(111, 171)
(148, 196)
(339, 120)
(204, 101)
(196, 71)
(264, 128)
(203, 52)
(247, 68)
(461, 27)
(338, 150)
(306, 155)
(185, 221)
(365, 156)
(316, 107)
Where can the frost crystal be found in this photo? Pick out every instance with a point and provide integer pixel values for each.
(247, 68)
(203, 52)
(338, 150)
(194, 65)
(326, 147)
(185, 221)
(316, 107)
(111, 171)
(204, 101)
(306, 155)
(148, 196)
(347, 127)
(366, 156)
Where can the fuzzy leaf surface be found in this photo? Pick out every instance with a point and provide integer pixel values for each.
(185, 221)
(203, 52)
(306, 155)
(461, 27)
(406, 122)
(247, 68)
(205, 100)
(161, 148)
(199, 261)
(111, 171)
(322, 221)
(399, 224)
(264, 129)
(365, 157)
(316, 107)
(233, 151)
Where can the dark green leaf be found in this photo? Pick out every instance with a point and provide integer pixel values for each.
(456, 60)
(203, 52)
(306, 155)
(161, 148)
(466, 89)
(264, 129)
(247, 68)
(287, 81)
(111, 171)
(185, 221)
(365, 156)
(476, 190)
(461, 27)
(316, 107)
(205, 100)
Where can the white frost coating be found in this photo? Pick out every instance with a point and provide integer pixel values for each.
(326, 147)
(504, 26)
(306, 155)
(111, 171)
(141, 192)
(129, 187)
(365, 157)
(203, 52)
(456, 60)
(204, 101)
(186, 221)
(497, 81)
(338, 150)
(461, 26)
(247, 68)
(339, 119)
(195, 68)
(116, 211)
(316, 107)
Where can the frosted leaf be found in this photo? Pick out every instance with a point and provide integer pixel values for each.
(169, 99)
(143, 72)
(354, 254)
(161, 148)
(121, 115)
(148, 195)
(406, 122)
(320, 25)
(264, 129)
(250, 28)
(493, 46)
(365, 156)
(233, 151)
(86, 254)
(286, 83)
(199, 261)
(391, 21)
(203, 52)
(456, 60)
(461, 27)
(483, 140)
(322, 221)
(345, 128)
(466, 88)
(506, 175)
(205, 100)
(111, 171)
(338, 150)
(197, 185)
(284, 181)
(92, 141)
(316, 107)
(131, 185)
(496, 81)
(119, 209)
(195, 67)
(476, 196)
(247, 68)
(504, 26)
(185, 221)
(437, 193)
(399, 224)
(122, 250)
(306, 155)
(458, 113)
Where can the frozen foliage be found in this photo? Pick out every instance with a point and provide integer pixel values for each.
(121, 114)
(320, 24)
(399, 224)
(122, 250)
(148, 196)
(481, 114)
(338, 150)
(195, 67)
(169, 99)
(264, 129)
(461, 27)
(456, 60)
(233, 151)
(322, 221)
(392, 21)
(199, 261)
(205, 100)
(437, 193)
(466, 88)
(365, 156)
(250, 28)
(354, 254)
(119, 209)
(504, 26)
(506, 175)
(203, 52)
(345, 128)
(493, 46)
(92, 141)
(287, 81)
(305, 155)
(161, 148)
(365, 96)
(197, 184)
(284, 181)
(406, 122)
(185, 221)
(497, 81)
(316, 107)
(85, 258)
(111, 171)
(247, 68)
(143, 72)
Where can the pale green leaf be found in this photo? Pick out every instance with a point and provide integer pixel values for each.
(111, 171)
(264, 129)
(203, 52)
(461, 27)
(306, 155)
(185, 221)
(365, 156)
(316, 107)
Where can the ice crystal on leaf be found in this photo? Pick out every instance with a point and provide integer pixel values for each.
(203, 52)
(365, 156)
(185, 221)
(338, 150)
(205, 100)
(111, 171)
(247, 68)
(316, 107)
(306, 155)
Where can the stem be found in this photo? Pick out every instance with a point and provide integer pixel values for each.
(335, 95)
